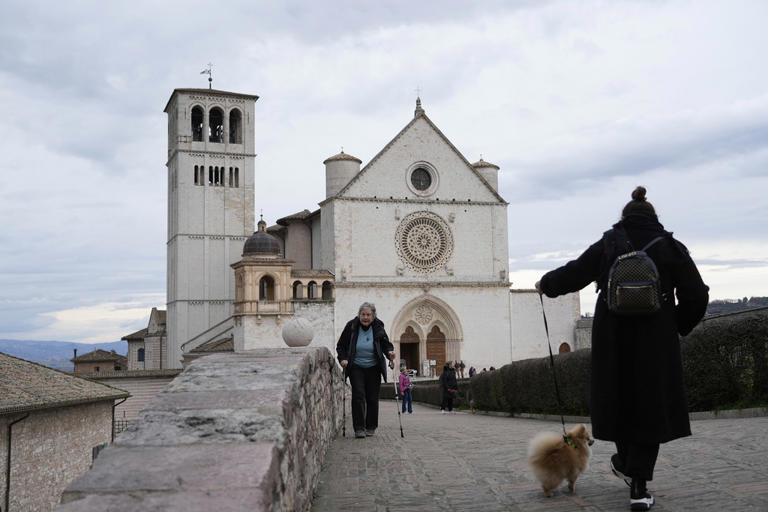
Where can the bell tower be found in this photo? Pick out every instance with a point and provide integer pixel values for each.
(210, 209)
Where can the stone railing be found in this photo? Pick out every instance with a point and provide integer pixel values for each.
(242, 431)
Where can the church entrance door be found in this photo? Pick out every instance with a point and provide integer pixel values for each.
(436, 348)
(409, 348)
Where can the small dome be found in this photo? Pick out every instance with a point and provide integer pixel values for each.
(261, 243)
(483, 163)
(342, 156)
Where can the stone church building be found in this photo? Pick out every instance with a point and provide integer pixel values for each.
(419, 231)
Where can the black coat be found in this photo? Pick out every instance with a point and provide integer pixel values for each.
(637, 390)
(347, 344)
(448, 381)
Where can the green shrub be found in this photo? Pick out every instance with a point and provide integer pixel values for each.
(725, 365)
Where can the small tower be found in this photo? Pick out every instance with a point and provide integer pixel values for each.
(339, 170)
(489, 171)
(262, 292)
(210, 207)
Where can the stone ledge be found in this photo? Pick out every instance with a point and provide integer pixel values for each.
(237, 431)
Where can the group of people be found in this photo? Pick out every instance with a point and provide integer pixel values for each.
(637, 392)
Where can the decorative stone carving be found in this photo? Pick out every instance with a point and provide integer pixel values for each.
(298, 332)
(423, 314)
(424, 241)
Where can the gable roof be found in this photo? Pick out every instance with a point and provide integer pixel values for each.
(28, 386)
(99, 355)
(138, 335)
(419, 115)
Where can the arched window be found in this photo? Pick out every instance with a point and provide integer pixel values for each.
(298, 290)
(267, 288)
(327, 290)
(216, 125)
(197, 123)
(235, 127)
(140, 355)
(564, 347)
(312, 290)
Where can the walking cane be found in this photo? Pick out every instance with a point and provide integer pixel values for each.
(397, 402)
(344, 403)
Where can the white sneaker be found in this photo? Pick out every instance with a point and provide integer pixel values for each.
(442, 411)
(453, 412)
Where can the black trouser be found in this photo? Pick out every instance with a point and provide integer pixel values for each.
(365, 384)
(447, 404)
(638, 459)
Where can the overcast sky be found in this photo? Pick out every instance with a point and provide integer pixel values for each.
(577, 102)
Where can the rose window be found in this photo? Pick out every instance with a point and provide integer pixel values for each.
(424, 241)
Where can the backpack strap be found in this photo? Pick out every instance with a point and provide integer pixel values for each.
(649, 244)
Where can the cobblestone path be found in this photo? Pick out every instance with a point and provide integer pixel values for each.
(477, 462)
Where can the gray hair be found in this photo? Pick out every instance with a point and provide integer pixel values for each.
(367, 305)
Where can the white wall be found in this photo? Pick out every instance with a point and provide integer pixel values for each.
(528, 334)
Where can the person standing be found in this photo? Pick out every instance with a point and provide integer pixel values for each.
(362, 350)
(637, 392)
(472, 371)
(449, 387)
(461, 367)
(404, 384)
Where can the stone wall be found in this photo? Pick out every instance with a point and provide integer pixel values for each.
(242, 431)
(50, 448)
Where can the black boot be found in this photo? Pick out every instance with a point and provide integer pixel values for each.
(639, 497)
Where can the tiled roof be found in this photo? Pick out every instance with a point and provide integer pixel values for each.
(138, 335)
(304, 214)
(125, 374)
(99, 355)
(27, 386)
(342, 156)
(319, 273)
(483, 163)
(220, 345)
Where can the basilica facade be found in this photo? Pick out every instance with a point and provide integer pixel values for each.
(418, 230)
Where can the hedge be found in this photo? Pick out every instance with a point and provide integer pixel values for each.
(725, 366)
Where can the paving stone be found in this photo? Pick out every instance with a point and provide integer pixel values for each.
(478, 462)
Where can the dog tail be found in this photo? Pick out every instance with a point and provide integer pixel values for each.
(542, 445)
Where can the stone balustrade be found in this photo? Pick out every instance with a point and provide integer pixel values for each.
(242, 431)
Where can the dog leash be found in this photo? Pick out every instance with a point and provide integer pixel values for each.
(567, 439)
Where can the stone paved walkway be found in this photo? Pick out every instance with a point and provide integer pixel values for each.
(468, 462)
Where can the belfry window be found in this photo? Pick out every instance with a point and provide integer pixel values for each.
(312, 290)
(197, 123)
(216, 125)
(235, 127)
(267, 288)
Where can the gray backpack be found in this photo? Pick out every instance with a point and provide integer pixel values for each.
(633, 287)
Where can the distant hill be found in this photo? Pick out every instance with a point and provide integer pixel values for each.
(56, 354)
(719, 307)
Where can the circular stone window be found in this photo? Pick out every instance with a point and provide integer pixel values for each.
(424, 241)
(422, 179)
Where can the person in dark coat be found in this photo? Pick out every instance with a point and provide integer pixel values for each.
(363, 349)
(637, 392)
(450, 387)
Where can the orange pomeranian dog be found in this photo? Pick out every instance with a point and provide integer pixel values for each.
(554, 460)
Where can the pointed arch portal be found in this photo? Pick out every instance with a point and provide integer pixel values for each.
(428, 330)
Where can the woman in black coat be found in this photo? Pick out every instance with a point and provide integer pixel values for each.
(449, 385)
(361, 352)
(637, 391)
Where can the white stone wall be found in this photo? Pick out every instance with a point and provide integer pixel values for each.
(528, 334)
(366, 250)
(298, 245)
(51, 448)
(386, 176)
(266, 331)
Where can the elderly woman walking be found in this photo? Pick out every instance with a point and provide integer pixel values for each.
(363, 349)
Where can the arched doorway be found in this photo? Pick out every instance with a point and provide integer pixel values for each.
(436, 348)
(409, 349)
(564, 347)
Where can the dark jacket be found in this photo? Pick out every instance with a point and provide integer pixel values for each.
(448, 381)
(637, 390)
(347, 344)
